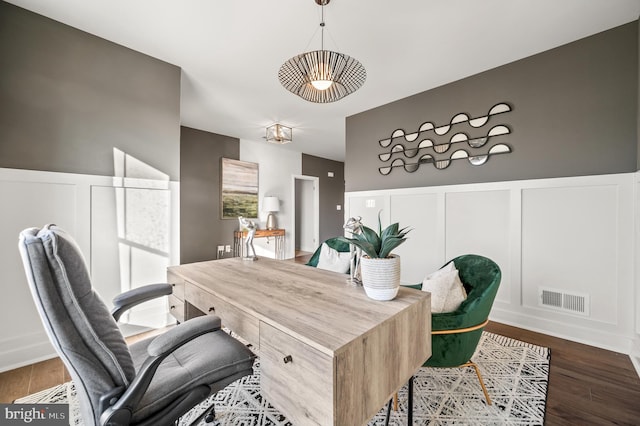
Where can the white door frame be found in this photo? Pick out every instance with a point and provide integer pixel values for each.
(316, 207)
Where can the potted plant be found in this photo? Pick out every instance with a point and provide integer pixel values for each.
(379, 268)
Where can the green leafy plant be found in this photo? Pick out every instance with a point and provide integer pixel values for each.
(380, 244)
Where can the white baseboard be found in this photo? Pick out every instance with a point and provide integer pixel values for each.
(588, 336)
(36, 345)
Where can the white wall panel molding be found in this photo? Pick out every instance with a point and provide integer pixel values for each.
(88, 207)
(14, 349)
(635, 352)
(574, 235)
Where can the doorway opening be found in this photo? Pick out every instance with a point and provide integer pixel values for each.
(306, 208)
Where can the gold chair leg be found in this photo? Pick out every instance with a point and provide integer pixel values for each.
(484, 389)
(395, 401)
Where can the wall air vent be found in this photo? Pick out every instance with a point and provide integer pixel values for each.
(575, 303)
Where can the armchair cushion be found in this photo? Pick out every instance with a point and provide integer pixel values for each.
(333, 260)
(333, 243)
(447, 291)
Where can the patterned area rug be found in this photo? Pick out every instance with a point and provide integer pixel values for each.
(515, 373)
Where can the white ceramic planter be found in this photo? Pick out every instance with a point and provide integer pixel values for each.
(380, 277)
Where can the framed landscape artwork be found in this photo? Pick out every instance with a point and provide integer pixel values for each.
(239, 189)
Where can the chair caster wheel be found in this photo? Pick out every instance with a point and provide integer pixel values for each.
(209, 418)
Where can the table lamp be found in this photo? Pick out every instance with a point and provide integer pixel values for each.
(271, 205)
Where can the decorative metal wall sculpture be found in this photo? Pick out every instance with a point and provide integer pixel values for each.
(402, 147)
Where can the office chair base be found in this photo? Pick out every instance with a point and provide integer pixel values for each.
(211, 416)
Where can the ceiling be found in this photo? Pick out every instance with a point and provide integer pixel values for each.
(230, 50)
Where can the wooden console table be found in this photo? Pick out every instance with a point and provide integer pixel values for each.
(329, 355)
(278, 234)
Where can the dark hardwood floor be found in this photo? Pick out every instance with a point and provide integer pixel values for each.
(587, 385)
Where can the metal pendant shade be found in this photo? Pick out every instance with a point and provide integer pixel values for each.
(322, 76)
(346, 74)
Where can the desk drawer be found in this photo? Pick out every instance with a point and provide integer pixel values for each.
(178, 285)
(233, 318)
(176, 308)
(291, 372)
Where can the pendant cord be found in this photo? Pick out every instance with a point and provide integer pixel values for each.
(322, 28)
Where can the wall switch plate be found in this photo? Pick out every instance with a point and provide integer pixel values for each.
(370, 203)
(220, 248)
(338, 207)
(227, 248)
(330, 174)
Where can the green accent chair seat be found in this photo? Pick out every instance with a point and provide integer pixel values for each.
(455, 335)
(335, 244)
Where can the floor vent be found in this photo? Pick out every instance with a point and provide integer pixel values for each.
(568, 302)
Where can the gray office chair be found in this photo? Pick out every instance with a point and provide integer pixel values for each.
(152, 382)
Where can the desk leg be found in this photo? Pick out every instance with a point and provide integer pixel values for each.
(410, 407)
(386, 419)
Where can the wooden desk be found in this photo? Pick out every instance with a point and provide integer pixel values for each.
(278, 234)
(328, 354)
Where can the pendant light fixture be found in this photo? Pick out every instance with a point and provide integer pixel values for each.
(322, 76)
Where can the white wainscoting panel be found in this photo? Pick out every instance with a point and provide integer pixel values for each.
(570, 243)
(635, 352)
(90, 208)
(27, 204)
(572, 234)
(421, 254)
(368, 207)
(478, 222)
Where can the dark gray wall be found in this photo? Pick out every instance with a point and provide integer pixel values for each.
(331, 193)
(67, 98)
(574, 113)
(201, 229)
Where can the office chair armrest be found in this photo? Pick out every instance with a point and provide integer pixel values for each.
(178, 336)
(162, 346)
(131, 298)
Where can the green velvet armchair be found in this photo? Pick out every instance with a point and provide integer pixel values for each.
(455, 335)
(335, 244)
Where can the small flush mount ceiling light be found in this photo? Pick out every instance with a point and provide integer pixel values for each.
(322, 76)
(279, 134)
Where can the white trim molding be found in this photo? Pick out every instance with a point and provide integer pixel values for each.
(127, 229)
(574, 235)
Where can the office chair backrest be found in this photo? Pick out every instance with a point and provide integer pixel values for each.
(78, 323)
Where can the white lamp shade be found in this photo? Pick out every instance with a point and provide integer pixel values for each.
(270, 204)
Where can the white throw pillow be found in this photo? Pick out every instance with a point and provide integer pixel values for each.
(457, 294)
(333, 260)
(447, 291)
